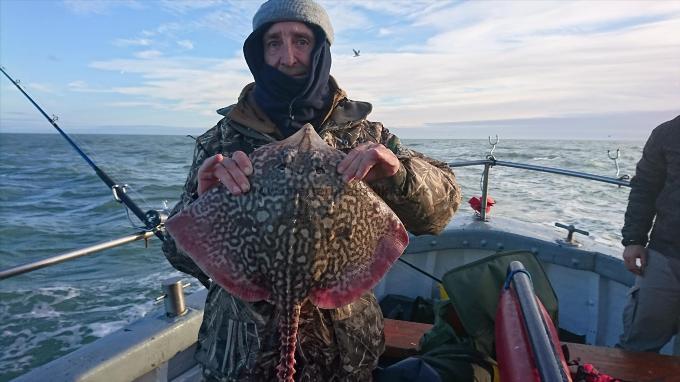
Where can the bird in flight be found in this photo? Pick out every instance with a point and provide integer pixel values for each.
(356, 52)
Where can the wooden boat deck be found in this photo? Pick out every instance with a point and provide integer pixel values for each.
(402, 341)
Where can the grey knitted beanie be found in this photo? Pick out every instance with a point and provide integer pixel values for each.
(307, 11)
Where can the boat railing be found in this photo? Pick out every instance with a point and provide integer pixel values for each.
(491, 161)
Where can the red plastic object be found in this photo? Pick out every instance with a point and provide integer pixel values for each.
(476, 203)
(513, 351)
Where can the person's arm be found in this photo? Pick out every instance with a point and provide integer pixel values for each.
(423, 192)
(649, 179)
(206, 146)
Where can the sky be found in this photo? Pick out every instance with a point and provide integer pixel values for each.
(431, 69)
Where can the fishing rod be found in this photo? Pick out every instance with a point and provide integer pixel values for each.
(152, 219)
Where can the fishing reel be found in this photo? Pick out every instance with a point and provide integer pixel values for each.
(154, 218)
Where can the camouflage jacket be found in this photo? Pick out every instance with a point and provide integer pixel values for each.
(655, 193)
(239, 340)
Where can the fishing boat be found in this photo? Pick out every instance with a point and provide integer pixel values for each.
(588, 278)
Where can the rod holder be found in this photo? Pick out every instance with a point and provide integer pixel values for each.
(570, 235)
(174, 297)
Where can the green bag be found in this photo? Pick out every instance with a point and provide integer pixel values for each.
(454, 357)
(474, 290)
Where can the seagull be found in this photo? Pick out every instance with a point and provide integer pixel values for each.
(356, 52)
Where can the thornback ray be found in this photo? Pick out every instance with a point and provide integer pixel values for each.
(300, 232)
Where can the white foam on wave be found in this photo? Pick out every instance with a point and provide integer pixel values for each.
(20, 346)
(549, 157)
(101, 329)
(60, 318)
(43, 310)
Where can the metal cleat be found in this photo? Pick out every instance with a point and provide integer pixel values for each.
(570, 236)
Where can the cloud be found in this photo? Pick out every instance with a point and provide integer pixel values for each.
(98, 7)
(83, 87)
(168, 29)
(489, 61)
(41, 87)
(622, 125)
(385, 32)
(147, 54)
(84, 7)
(147, 104)
(77, 85)
(184, 6)
(402, 9)
(345, 17)
(434, 62)
(180, 84)
(186, 44)
(132, 42)
(231, 23)
(377, 16)
(504, 25)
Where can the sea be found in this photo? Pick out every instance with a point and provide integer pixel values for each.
(52, 202)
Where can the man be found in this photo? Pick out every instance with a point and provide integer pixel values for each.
(289, 57)
(652, 315)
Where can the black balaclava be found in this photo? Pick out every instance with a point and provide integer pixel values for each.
(291, 102)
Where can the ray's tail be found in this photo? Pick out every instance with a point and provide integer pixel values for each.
(288, 328)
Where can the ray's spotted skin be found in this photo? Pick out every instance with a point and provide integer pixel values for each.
(300, 232)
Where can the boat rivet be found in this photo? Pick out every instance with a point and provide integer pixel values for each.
(591, 303)
(482, 243)
(466, 243)
(575, 261)
(433, 243)
(534, 250)
(499, 245)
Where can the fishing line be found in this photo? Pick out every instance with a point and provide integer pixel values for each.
(152, 219)
(134, 221)
(421, 271)
(198, 142)
(104, 162)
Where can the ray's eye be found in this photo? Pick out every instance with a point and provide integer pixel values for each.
(320, 170)
(281, 167)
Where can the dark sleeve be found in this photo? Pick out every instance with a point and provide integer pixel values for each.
(650, 176)
(207, 145)
(423, 192)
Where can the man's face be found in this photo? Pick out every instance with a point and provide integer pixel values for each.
(288, 47)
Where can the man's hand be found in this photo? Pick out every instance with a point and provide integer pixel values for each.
(369, 162)
(232, 172)
(630, 255)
